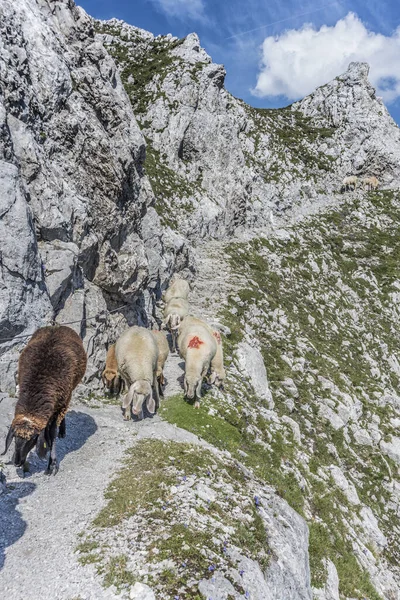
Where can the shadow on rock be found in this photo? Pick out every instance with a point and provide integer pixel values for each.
(12, 525)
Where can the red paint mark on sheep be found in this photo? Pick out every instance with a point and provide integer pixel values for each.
(217, 336)
(195, 342)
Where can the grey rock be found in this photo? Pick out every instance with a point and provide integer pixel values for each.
(3, 483)
(60, 267)
(141, 591)
(330, 591)
(252, 366)
(392, 448)
(288, 573)
(75, 204)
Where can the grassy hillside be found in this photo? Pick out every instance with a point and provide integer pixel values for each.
(321, 303)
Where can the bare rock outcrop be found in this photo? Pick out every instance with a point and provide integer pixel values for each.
(76, 210)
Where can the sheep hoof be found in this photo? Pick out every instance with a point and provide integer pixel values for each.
(197, 404)
(52, 469)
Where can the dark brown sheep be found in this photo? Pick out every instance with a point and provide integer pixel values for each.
(49, 369)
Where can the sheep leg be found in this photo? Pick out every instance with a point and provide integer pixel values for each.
(52, 467)
(156, 392)
(63, 429)
(160, 386)
(173, 335)
(198, 392)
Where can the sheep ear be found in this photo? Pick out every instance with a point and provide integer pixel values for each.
(151, 405)
(10, 436)
(127, 399)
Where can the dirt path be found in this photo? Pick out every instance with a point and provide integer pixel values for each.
(41, 516)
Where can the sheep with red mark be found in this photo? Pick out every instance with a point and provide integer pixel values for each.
(163, 351)
(49, 369)
(137, 355)
(218, 374)
(198, 347)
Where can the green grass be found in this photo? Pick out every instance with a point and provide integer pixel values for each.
(142, 64)
(130, 492)
(228, 431)
(293, 139)
(358, 261)
(142, 490)
(116, 572)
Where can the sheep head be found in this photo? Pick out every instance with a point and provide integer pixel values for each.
(111, 380)
(173, 321)
(26, 433)
(138, 394)
(192, 386)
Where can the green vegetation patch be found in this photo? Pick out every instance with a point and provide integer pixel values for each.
(229, 430)
(166, 528)
(292, 139)
(170, 189)
(321, 300)
(144, 64)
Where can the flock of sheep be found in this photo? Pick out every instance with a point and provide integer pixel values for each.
(54, 362)
(136, 361)
(351, 183)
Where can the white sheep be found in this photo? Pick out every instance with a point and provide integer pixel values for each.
(371, 183)
(198, 347)
(176, 310)
(217, 364)
(163, 351)
(179, 288)
(218, 374)
(137, 355)
(349, 183)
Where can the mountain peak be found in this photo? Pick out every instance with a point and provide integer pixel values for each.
(357, 72)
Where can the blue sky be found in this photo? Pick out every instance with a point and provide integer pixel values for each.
(276, 51)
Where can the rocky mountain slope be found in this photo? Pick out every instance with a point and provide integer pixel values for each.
(79, 233)
(217, 164)
(123, 159)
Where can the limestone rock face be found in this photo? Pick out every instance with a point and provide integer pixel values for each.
(252, 365)
(75, 204)
(222, 165)
(367, 136)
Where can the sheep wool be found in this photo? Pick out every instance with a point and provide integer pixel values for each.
(49, 369)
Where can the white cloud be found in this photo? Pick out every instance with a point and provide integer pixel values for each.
(296, 62)
(194, 9)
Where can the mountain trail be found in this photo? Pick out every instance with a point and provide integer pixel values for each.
(42, 516)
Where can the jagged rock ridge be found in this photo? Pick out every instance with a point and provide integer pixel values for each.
(217, 164)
